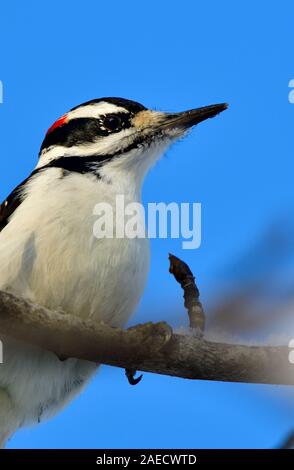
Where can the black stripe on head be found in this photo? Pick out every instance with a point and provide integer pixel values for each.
(86, 130)
(93, 163)
(78, 164)
(132, 106)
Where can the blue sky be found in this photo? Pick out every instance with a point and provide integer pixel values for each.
(171, 56)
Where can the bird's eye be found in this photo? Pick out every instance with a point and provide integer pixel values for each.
(112, 123)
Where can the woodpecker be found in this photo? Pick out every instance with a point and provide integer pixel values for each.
(48, 253)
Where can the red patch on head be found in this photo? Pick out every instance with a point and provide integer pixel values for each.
(58, 123)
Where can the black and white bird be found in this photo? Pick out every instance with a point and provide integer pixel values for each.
(48, 253)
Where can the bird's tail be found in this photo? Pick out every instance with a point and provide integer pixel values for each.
(8, 418)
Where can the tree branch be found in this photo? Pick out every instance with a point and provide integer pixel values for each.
(184, 276)
(149, 347)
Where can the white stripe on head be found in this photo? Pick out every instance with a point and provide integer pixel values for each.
(95, 110)
(106, 145)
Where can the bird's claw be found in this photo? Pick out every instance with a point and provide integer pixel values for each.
(130, 374)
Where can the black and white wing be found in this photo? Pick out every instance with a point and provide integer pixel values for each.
(11, 204)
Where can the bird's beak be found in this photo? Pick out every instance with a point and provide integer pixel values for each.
(192, 117)
(173, 125)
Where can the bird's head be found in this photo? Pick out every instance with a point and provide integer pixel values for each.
(112, 136)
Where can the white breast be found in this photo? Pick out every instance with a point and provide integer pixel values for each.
(48, 254)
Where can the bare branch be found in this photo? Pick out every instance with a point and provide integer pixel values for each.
(149, 347)
(184, 276)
